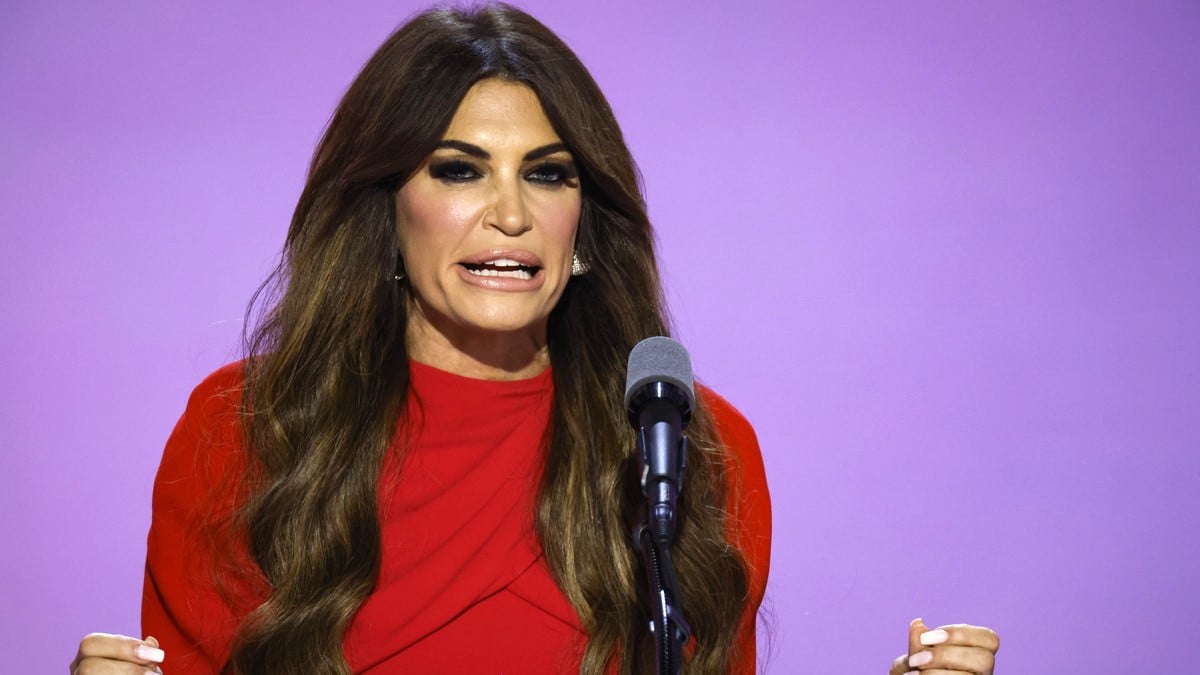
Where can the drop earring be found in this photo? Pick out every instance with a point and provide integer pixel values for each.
(578, 267)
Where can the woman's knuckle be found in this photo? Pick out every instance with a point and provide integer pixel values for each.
(91, 643)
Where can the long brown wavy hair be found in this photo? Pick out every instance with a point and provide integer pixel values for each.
(327, 367)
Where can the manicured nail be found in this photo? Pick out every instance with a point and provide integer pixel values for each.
(148, 653)
(934, 637)
(920, 659)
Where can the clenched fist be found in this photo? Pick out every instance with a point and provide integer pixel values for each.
(956, 649)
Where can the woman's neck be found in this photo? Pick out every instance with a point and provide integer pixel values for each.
(515, 355)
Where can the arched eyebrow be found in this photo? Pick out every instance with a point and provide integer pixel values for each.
(476, 151)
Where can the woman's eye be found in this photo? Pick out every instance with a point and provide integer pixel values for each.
(453, 171)
(552, 173)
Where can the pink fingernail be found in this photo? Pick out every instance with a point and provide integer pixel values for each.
(934, 637)
(920, 659)
(148, 653)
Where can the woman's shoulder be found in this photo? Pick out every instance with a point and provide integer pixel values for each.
(217, 400)
(740, 441)
(732, 426)
(746, 479)
(219, 389)
(205, 440)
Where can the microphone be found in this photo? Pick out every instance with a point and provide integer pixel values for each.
(659, 398)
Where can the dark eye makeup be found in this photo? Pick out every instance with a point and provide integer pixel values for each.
(548, 173)
(553, 173)
(453, 171)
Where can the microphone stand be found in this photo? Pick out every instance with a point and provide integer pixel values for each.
(653, 537)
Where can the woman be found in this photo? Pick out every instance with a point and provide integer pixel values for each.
(423, 463)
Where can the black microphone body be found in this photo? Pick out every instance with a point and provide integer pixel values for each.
(662, 448)
(659, 400)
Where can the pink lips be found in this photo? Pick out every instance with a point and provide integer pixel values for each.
(503, 270)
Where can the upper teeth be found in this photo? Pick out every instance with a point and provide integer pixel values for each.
(501, 267)
(514, 274)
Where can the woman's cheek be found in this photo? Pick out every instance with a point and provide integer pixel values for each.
(560, 218)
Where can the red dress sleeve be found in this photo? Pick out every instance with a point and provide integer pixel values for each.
(192, 613)
(750, 508)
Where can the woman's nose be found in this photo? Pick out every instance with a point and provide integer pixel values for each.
(509, 212)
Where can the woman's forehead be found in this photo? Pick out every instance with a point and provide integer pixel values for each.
(501, 114)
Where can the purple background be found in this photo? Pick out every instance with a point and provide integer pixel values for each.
(944, 255)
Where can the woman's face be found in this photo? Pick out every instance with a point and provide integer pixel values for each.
(487, 224)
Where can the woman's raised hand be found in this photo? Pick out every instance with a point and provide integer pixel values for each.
(956, 649)
(102, 654)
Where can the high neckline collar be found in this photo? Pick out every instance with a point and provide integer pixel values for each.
(423, 373)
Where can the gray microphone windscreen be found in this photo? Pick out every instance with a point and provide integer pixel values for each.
(659, 359)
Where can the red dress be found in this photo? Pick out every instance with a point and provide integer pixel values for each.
(463, 586)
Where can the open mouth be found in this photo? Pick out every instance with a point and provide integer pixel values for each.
(502, 267)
